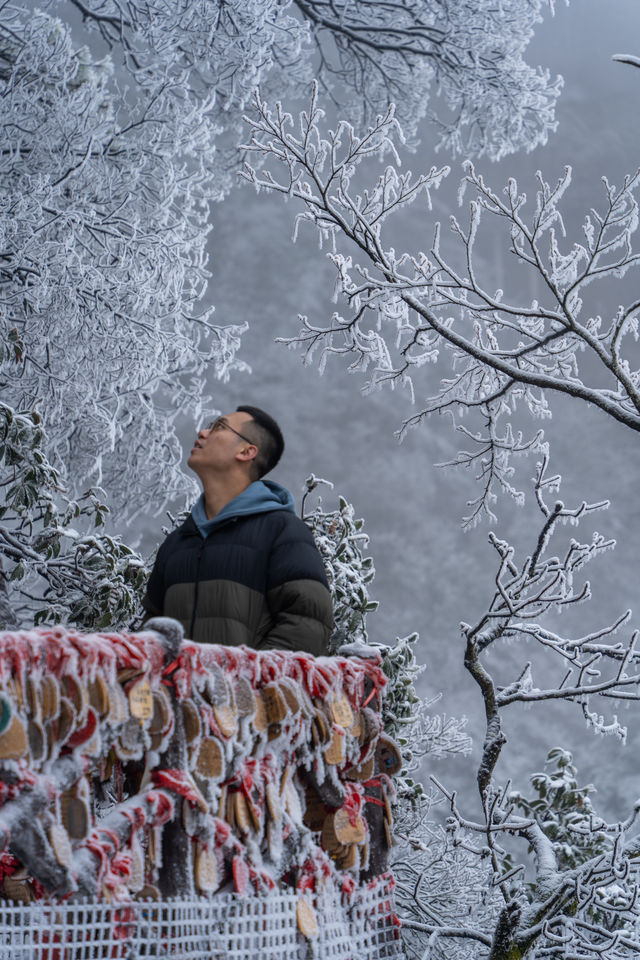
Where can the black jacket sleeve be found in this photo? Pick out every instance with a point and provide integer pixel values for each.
(297, 592)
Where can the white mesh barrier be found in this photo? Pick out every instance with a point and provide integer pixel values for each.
(225, 927)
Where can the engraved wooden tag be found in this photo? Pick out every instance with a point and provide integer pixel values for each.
(141, 701)
(274, 702)
(192, 723)
(210, 761)
(341, 711)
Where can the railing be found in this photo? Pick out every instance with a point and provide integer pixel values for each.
(165, 798)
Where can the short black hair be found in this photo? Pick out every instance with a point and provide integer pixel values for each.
(268, 438)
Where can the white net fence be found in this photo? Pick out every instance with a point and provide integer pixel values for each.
(225, 927)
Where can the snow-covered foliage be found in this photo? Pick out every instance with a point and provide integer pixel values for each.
(342, 543)
(408, 311)
(471, 52)
(103, 223)
(62, 565)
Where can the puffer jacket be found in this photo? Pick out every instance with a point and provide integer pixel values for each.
(252, 575)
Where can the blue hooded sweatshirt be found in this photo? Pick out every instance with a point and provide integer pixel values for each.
(259, 497)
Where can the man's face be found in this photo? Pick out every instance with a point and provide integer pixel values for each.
(217, 449)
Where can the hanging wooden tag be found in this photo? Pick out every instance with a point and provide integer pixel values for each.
(292, 803)
(274, 702)
(307, 919)
(141, 701)
(272, 797)
(334, 753)
(341, 711)
(17, 887)
(315, 810)
(225, 719)
(356, 727)
(323, 728)
(241, 813)
(388, 756)
(352, 859)
(206, 870)
(37, 741)
(260, 721)
(60, 844)
(162, 712)
(289, 691)
(34, 697)
(210, 760)
(76, 692)
(98, 695)
(66, 721)
(136, 874)
(192, 722)
(13, 742)
(222, 804)
(347, 832)
(254, 814)
(245, 699)
(50, 697)
(74, 806)
(118, 707)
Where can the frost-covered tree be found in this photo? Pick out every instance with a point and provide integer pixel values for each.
(471, 52)
(409, 313)
(118, 128)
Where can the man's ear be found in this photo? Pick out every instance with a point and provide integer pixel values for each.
(250, 452)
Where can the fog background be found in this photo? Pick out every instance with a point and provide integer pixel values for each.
(431, 575)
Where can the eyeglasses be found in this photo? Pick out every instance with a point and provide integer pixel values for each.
(221, 424)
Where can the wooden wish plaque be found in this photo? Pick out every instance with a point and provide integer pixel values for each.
(141, 701)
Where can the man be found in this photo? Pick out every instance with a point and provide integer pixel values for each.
(243, 568)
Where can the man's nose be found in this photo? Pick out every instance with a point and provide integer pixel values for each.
(203, 432)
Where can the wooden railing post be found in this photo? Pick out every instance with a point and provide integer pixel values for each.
(176, 875)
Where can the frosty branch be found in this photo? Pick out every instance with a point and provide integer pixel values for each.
(408, 310)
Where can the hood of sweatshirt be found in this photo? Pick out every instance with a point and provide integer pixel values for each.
(261, 496)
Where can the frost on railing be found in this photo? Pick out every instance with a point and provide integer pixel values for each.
(145, 779)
